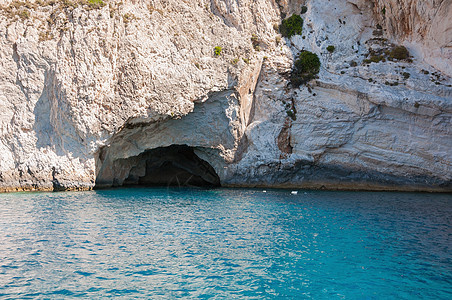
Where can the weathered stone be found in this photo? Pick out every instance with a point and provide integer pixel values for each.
(85, 92)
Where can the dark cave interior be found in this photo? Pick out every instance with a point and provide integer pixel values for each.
(176, 165)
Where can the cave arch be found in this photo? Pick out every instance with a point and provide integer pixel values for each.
(209, 133)
(175, 165)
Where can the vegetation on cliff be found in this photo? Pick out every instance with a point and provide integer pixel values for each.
(306, 67)
(292, 26)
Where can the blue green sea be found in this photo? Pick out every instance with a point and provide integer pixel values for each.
(164, 243)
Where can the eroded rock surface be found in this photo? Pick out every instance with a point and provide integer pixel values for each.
(425, 25)
(86, 91)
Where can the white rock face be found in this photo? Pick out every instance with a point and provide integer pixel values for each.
(85, 90)
(425, 26)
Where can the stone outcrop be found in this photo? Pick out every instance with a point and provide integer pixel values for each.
(88, 91)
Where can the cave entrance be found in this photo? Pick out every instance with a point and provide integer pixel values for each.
(176, 165)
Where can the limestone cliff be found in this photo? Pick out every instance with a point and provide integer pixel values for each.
(425, 25)
(88, 89)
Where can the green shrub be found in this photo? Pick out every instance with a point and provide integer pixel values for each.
(96, 3)
(306, 67)
(254, 40)
(406, 75)
(128, 17)
(376, 58)
(292, 26)
(217, 50)
(330, 48)
(304, 9)
(24, 14)
(399, 52)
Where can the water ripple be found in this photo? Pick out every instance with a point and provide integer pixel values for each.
(225, 243)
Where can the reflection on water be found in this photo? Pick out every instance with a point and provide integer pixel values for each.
(160, 243)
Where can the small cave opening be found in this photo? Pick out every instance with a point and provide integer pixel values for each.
(175, 165)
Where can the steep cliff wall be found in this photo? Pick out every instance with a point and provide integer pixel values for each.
(382, 125)
(73, 74)
(87, 89)
(424, 25)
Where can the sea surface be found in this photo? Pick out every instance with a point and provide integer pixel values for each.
(225, 244)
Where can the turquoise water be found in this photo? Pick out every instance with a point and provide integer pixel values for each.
(225, 244)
